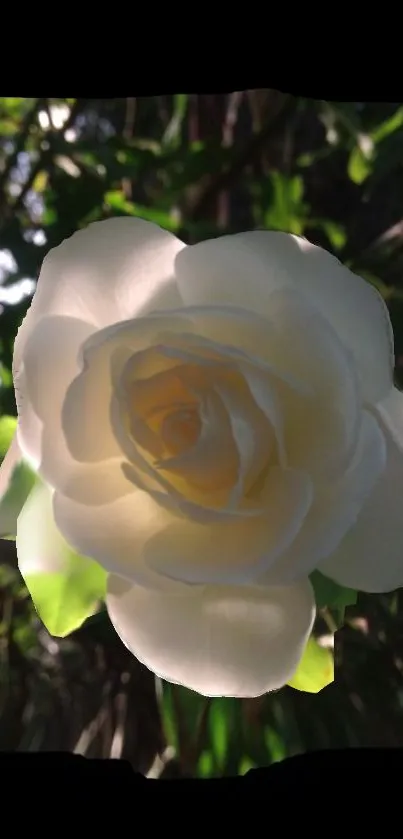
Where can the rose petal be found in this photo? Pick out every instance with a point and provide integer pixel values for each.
(114, 534)
(169, 490)
(104, 359)
(177, 504)
(112, 270)
(390, 411)
(321, 428)
(254, 439)
(48, 367)
(217, 641)
(40, 546)
(333, 512)
(212, 463)
(264, 391)
(50, 363)
(139, 539)
(312, 377)
(244, 269)
(370, 557)
(235, 551)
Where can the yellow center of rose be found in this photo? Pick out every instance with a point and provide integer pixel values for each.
(199, 427)
(180, 430)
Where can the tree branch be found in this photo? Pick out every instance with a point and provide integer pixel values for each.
(279, 113)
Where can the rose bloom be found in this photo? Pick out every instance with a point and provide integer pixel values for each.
(211, 424)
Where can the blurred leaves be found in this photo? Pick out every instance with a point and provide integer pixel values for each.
(287, 210)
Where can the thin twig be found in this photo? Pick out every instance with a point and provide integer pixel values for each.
(230, 121)
(212, 188)
(128, 131)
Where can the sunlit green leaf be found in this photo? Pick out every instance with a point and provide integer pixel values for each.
(6, 377)
(8, 426)
(286, 211)
(359, 166)
(41, 181)
(65, 600)
(315, 670)
(117, 201)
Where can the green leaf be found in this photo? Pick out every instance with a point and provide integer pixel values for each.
(219, 727)
(8, 426)
(168, 716)
(328, 593)
(245, 765)
(315, 670)
(7, 127)
(20, 485)
(66, 588)
(205, 766)
(116, 200)
(276, 748)
(6, 376)
(359, 166)
(388, 127)
(335, 232)
(17, 479)
(64, 600)
(287, 210)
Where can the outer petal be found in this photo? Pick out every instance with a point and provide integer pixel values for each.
(370, 557)
(244, 269)
(51, 360)
(390, 411)
(217, 641)
(114, 534)
(110, 271)
(333, 512)
(142, 541)
(40, 546)
(49, 364)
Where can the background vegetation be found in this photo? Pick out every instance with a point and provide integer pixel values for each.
(199, 165)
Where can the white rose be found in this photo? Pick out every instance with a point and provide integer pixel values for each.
(215, 422)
